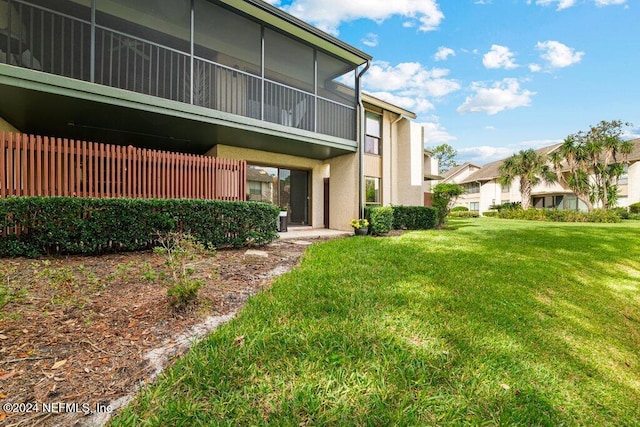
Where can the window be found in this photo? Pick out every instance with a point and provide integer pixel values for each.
(472, 187)
(372, 191)
(372, 141)
(505, 188)
(474, 206)
(255, 188)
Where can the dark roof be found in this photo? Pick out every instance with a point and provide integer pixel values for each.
(492, 170)
(635, 154)
(454, 170)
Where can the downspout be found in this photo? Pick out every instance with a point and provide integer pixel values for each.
(360, 140)
(391, 164)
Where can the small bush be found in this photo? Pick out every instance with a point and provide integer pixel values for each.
(380, 219)
(602, 215)
(464, 214)
(459, 209)
(634, 208)
(490, 213)
(414, 217)
(623, 213)
(180, 250)
(634, 217)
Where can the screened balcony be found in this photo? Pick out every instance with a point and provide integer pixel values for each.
(192, 51)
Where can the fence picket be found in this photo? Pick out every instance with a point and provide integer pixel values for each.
(45, 166)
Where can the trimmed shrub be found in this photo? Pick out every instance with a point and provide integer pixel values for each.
(634, 217)
(414, 217)
(506, 206)
(597, 215)
(380, 219)
(634, 208)
(602, 215)
(464, 214)
(623, 213)
(490, 213)
(459, 209)
(72, 225)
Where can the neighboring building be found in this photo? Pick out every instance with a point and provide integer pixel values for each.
(483, 188)
(237, 79)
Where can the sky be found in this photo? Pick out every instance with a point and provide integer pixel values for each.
(493, 77)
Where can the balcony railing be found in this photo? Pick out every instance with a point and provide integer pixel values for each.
(49, 41)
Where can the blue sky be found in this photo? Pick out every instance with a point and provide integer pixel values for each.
(492, 77)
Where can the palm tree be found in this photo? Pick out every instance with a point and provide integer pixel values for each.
(590, 163)
(531, 167)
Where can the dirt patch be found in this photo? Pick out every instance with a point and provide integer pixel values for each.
(87, 331)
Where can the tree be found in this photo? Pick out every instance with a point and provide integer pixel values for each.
(444, 196)
(446, 156)
(591, 163)
(531, 167)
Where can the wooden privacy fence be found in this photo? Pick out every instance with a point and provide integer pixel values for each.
(43, 166)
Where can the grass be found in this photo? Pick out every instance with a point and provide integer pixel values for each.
(494, 322)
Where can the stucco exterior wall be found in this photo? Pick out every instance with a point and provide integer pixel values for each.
(343, 191)
(633, 186)
(409, 164)
(5, 126)
(317, 168)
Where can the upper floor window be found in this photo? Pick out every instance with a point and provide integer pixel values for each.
(373, 130)
(472, 187)
(505, 188)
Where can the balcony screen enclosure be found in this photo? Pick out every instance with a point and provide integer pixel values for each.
(231, 63)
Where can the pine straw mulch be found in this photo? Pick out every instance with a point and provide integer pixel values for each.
(81, 328)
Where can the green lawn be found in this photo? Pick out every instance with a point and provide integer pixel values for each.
(495, 322)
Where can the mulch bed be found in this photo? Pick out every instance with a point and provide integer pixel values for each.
(81, 332)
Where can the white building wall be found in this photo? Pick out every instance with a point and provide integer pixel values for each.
(633, 186)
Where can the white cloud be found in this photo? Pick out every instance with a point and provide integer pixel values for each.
(490, 128)
(503, 95)
(417, 105)
(483, 154)
(535, 68)
(499, 57)
(435, 133)
(329, 14)
(565, 4)
(408, 84)
(443, 53)
(558, 55)
(409, 78)
(601, 3)
(370, 40)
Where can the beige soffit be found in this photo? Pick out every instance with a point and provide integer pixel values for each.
(376, 102)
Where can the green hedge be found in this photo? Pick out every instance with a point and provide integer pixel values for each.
(634, 208)
(71, 225)
(414, 217)
(459, 209)
(464, 214)
(597, 215)
(380, 219)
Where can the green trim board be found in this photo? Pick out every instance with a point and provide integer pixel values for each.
(47, 104)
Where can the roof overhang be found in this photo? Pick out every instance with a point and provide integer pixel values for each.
(384, 105)
(46, 104)
(432, 178)
(264, 12)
